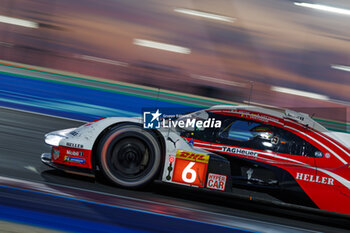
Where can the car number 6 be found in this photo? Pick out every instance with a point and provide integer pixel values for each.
(191, 171)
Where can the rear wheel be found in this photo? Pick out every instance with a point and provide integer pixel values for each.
(129, 156)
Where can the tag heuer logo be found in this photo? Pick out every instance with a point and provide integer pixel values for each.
(56, 154)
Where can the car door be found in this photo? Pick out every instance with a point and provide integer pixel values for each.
(262, 154)
(243, 142)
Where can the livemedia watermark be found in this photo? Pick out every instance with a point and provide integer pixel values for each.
(178, 117)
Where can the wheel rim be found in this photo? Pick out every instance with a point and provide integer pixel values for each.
(118, 141)
(130, 158)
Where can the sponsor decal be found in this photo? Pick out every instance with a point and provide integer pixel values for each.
(314, 179)
(73, 133)
(182, 154)
(72, 157)
(75, 153)
(327, 155)
(171, 159)
(318, 154)
(275, 140)
(74, 160)
(74, 145)
(174, 142)
(254, 116)
(216, 181)
(56, 154)
(170, 169)
(190, 168)
(240, 151)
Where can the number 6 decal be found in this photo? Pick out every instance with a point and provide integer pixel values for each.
(190, 168)
(190, 171)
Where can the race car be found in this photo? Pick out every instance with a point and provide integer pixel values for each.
(283, 154)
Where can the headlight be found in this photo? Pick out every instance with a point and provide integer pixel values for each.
(53, 140)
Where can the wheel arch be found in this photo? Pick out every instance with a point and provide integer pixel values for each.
(159, 138)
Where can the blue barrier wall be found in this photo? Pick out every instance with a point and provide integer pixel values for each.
(72, 101)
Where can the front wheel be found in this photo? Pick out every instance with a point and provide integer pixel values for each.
(129, 156)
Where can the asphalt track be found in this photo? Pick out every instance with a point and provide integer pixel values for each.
(21, 144)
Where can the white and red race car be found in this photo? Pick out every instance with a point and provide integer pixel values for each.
(284, 154)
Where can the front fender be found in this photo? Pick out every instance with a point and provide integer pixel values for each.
(85, 136)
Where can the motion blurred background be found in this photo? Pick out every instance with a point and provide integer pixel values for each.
(273, 52)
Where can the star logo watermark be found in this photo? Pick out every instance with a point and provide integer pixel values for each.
(151, 120)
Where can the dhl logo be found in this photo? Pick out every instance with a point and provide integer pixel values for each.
(181, 154)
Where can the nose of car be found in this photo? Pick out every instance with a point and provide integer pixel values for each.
(46, 157)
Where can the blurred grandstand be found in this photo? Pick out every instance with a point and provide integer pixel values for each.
(275, 53)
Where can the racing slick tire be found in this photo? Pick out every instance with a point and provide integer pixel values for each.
(129, 156)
